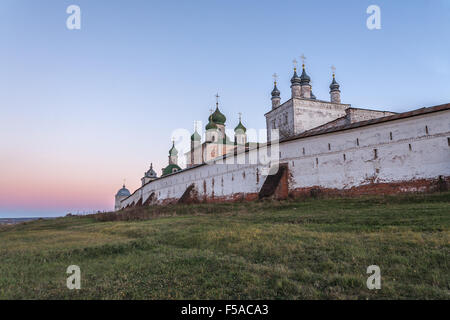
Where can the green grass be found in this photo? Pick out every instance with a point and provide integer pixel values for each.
(313, 249)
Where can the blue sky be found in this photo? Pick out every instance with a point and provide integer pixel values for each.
(81, 110)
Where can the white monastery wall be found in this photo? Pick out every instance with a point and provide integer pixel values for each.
(393, 161)
(356, 115)
(313, 113)
(410, 154)
(298, 115)
(281, 118)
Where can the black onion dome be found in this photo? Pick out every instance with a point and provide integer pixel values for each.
(295, 78)
(305, 79)
(334, 86)
(275, 91)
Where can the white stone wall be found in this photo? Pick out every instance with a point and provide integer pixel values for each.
(218, 181)
(298, 115)
(281, 118)
(356, 115)
(313, 113)
(323, 162)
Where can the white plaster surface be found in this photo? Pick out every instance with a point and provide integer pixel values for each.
(429, 156)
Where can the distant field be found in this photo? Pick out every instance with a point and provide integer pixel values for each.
(313, 249)
(15, 220)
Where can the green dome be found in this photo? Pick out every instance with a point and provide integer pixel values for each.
(240, 127)
(196, 136)
(218, 117)
(171, 168)
(211, 124)
(173, 151)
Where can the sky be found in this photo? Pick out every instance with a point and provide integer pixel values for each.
(82, 110)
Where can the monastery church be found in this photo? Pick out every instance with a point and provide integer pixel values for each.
(324, 147)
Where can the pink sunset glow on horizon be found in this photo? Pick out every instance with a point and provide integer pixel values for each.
(67, 184)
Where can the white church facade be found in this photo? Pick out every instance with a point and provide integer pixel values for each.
(324, 147)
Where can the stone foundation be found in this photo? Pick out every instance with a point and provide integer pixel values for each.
(414, 186)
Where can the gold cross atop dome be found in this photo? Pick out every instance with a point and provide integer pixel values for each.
(275, 78)
(240, 116)
(295, 63)
(303, 59)
(333, 69)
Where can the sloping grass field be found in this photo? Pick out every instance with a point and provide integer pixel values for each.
(309, 249)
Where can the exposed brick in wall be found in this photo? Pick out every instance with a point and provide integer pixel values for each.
(150, 200)
(190, 195)
(412, 186)
(276, 185)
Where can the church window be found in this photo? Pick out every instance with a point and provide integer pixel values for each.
(375, 153)
(357, 142)
(426, 129)
(390, 135)
(285, 119)
(410, 147)
(345, 158)
(213, 138)
(303, 151)
(448, 141)
(317, 161)
(273, 124)
(329, 146)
